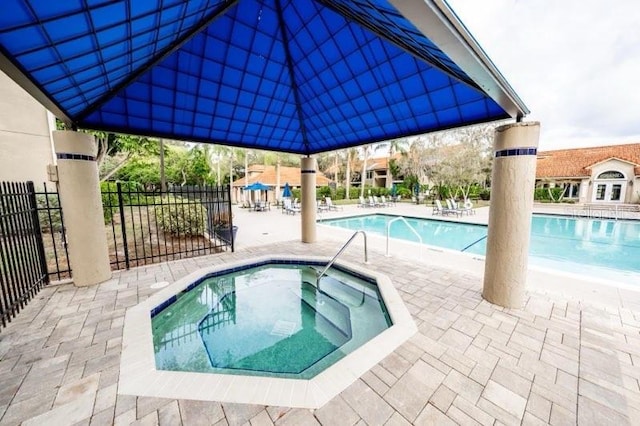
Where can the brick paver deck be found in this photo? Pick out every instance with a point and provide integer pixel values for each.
(557, 361)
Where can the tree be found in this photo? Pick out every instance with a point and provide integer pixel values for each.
(142, 170)
(363, 176)
(215, 155)
(114, 150)
(351, 157)
(417, 162)
(460, 167)
(462, 157)
(395, 145)
(184, 166)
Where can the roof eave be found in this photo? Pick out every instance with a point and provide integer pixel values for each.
(438, 22)
(562, 177)
(609, 159)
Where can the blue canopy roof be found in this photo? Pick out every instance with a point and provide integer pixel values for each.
(301, 76)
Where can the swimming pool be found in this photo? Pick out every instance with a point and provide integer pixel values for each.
(606, 249)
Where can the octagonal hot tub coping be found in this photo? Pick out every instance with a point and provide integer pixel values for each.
(139, 376)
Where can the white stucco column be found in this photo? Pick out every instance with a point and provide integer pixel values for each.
(80, 198)
(512, 184)
(308, 199)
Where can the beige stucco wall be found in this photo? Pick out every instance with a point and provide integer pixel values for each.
(25, 136)
(585, 191)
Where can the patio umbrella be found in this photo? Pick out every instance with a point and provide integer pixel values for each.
(286, 192)
(258, 186)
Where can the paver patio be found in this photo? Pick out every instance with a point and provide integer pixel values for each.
(560, 360)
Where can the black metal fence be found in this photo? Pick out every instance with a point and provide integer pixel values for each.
(150, 227)
(53, 233)
(144, 228)
(23, 269)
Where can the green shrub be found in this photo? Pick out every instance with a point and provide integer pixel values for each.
(109, 200)
(542, 194)
(322, 192)
(132, 194)
(176, 217)
(485, 194)
(404, 192)
(474, 191)
(378, 191)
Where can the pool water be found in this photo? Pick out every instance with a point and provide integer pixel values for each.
(601, 248)
(271, 320)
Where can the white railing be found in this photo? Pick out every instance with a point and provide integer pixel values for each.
(366, 256)
(410, 227)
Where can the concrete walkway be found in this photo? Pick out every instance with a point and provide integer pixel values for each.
(568, 357)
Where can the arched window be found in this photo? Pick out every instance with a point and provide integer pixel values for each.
(611, 174)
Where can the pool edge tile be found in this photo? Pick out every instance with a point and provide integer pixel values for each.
(139, 376)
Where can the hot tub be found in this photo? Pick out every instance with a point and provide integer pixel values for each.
(262, 332)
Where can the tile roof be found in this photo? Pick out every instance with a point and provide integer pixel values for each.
(576, 162)
(378, 163)
(290, 175)
(381, 163)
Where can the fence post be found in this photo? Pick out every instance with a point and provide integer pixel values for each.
(228, 197)
(123, 225)
(37, 230)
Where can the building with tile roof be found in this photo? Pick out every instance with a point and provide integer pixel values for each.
(268, 175)
(603, 174)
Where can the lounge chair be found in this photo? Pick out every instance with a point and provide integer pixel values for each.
(329, 203)
(452, 208)
(289, 208)
(363, 203)
(438, 209)
(378, 203)
(467, 207)
(262, 206)
(373, 203)
(322, 207)
(385, 202)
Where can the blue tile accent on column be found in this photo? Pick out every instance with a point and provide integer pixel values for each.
(516, 152)
(67, 156)
(307, 171)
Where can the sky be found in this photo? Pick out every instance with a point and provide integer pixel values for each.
(574, 63)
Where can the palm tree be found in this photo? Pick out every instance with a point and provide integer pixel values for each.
(351, 156)
(336, 167)
(363, 177)
(278, 164)
(231, 153)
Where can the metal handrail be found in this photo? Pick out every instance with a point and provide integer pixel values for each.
(366, 257)
(410, 227)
